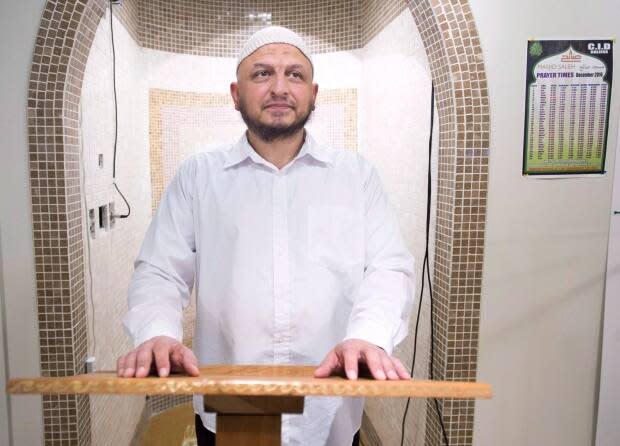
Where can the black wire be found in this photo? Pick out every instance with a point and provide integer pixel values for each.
(415, 341)
(116, 117)
(426, 273)
(428, 269)
(126, 202)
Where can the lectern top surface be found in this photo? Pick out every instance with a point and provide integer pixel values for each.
(260, 380)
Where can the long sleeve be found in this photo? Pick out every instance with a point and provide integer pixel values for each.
(164, 269)
(382, 308)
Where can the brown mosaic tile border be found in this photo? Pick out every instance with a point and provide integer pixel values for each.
(63, 41)
(158, 99)
(451, 41)
(61, 49)
(347, 98)
(219, 28)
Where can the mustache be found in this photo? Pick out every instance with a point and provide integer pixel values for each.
(270, 133)
(279, 102)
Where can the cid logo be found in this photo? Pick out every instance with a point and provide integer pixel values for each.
(599, 47)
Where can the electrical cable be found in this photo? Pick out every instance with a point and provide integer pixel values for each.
(426, 273)
(83, 185)
(116, 118)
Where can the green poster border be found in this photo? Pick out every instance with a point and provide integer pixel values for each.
(527, 109)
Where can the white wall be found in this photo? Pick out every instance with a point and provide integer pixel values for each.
(113, 252)
(5, 412)
(546, 243)
(607, 427)
(394, 124)
(19, 24)
(185, 72)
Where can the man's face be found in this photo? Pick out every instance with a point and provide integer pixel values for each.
(274, 91)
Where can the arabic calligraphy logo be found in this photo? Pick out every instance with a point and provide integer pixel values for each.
(536, 49)
(570, 56)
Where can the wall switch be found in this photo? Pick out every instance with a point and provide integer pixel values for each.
(112, 214)
(90, 364)
(104, 217)
(100, 160)
(92, 223)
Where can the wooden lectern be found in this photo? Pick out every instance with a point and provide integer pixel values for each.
(250, 400)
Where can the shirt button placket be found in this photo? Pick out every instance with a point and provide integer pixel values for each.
(281, 277)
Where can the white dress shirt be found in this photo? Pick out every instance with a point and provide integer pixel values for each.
(287, 264)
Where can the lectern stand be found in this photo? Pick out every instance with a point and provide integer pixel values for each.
(250, 399)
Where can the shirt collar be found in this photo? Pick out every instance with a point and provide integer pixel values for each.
(243, 150)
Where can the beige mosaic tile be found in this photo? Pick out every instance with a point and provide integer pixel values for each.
(182, 123)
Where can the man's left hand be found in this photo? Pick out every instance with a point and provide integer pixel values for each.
(348, 354)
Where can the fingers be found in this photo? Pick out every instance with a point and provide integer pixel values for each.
(120, 366)
(144, 358)
(189, 361)
(183, 360)
(381, 365)
(129, 364)
(161, 352)
(401, 370)
(388, 367)
(374, 362)
(329, 365)
(164, 352)
(351, 355)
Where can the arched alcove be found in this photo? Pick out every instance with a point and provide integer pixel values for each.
(62, 46)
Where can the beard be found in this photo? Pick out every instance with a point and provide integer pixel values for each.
(270, 133)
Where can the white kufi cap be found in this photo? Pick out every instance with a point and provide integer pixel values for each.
(273, 34)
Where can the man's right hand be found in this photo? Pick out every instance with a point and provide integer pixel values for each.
(166, 352)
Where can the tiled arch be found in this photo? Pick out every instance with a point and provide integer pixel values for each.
(453, 48)
(62, 45)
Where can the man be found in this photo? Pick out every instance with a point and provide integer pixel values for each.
(296, 253)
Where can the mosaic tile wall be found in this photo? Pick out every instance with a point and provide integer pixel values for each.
(60, 53)
(218, 28)
(62, 46)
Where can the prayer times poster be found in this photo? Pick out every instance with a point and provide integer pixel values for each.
(568, 89)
